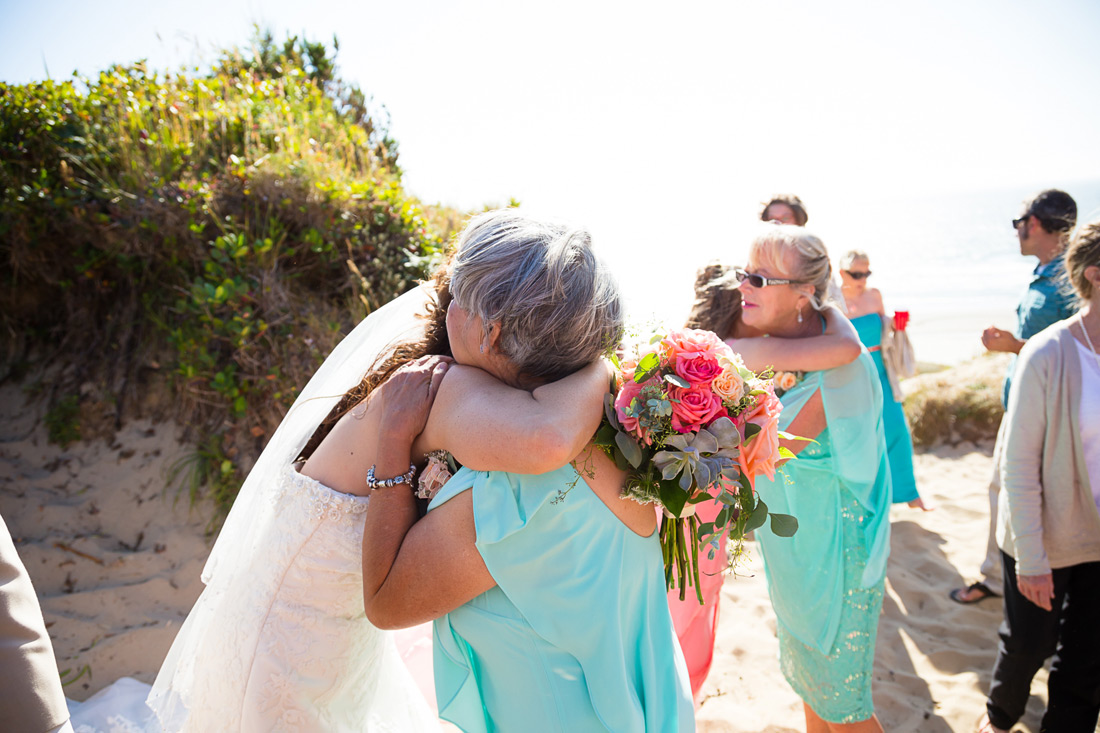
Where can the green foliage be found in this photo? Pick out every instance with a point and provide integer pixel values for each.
(63, 421)
(221, 229)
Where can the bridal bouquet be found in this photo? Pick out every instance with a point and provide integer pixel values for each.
(690, 423)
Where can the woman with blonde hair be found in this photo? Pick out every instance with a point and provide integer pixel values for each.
(839, 488)
(717, 308)
(1049, 529)
(868, 315)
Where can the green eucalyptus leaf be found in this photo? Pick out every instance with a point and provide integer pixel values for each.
(757, 518)
(631, 450)
(784, 525)
(751, 430)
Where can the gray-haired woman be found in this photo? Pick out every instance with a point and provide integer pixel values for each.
(281, 639)
(548, 590)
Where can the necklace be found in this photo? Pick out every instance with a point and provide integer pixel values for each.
(1088, 339)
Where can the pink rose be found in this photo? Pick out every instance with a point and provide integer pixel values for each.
(759, 454)
(694, 408)
(699, 369)
(692, 343)
(629, 390)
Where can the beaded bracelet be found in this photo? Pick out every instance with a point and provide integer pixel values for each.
(405, 478)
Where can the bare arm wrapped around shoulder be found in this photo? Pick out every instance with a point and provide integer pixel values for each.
(489, 426)
(838, 345)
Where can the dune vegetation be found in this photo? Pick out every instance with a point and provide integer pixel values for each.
(191, 245)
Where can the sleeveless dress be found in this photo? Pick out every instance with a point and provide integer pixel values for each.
(839, 489)
(576, 635)
(318, 664)
(899, 444)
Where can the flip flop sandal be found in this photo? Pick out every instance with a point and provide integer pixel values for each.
(982, 589)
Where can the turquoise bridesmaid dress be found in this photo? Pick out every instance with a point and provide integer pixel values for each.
(899, 444)
(826, 582)
(576, 635)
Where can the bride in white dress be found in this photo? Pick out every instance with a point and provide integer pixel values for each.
(279, 641)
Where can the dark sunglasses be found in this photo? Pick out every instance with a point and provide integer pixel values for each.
(1017, 222)
(858, 275)
(759, 281)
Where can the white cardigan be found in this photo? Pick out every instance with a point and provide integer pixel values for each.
(1049, 517)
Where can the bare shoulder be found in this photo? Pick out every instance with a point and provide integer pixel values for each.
(340, 460)
(606, 481)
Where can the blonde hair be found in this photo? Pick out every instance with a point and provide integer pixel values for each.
(851, 257)
(1083, 252)
(802, 255)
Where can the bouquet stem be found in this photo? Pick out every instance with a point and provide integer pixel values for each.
(680, 548)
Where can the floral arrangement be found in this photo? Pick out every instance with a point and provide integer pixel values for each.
(441, 466)
(689, 423)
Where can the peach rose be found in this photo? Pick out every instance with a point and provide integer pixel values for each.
(785, 380)
(434, 475)
(694, 408)
(728, 385)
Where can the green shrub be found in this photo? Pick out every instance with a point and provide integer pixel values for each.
(216, 232)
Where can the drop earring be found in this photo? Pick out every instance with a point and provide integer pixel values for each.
(800, 315)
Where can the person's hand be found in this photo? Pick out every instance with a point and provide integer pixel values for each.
(998, 339)
(1039, 589)
(406, 398)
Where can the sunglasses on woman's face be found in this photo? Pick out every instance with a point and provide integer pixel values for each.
(858, 275)
(759, 281)
(1017, 222)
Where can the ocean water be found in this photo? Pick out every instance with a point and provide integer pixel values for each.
(953, 261)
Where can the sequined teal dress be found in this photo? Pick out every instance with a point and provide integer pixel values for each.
(576, 635)
(826, 582)
(899, 444)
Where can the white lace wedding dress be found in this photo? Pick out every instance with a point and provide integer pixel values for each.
(278, 640)
(317, 663)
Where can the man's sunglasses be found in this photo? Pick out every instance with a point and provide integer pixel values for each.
(1017, 222)
(858, 275)
(759, 281)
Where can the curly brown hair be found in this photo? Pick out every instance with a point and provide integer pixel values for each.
(434, 341)
(717, 303)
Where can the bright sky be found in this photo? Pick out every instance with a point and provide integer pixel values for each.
(657, 124)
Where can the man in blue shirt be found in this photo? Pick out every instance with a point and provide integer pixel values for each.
(1043, 228)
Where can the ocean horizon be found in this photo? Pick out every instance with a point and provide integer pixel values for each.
(952, 260)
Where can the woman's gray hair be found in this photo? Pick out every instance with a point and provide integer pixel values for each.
(557, 304)
(802, 256)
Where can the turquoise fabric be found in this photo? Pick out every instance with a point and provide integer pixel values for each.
(837, 685)
(577, 635)
(806, 573)
(899, 444)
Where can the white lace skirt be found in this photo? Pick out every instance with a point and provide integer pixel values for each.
(286, 645)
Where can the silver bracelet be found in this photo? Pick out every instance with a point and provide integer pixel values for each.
(405, 478)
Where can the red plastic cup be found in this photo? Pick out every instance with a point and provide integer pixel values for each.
(901, 320)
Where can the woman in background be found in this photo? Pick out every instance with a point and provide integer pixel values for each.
(717, 308)
(785, 208)
(868, 315)
(1049, 530)
(826, 582)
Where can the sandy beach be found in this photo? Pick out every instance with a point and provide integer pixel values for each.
(116, 561)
